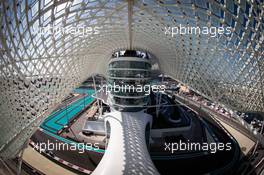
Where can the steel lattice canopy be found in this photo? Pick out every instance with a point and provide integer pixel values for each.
(38, 70)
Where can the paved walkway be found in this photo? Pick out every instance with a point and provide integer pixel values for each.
(43, 164)
(245, 143)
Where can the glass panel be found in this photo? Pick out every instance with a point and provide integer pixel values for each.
(130, 64)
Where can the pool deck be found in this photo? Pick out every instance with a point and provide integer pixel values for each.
(57, 120)
(76, 129)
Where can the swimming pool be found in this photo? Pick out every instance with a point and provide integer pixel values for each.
(58, 119)
(83, 91)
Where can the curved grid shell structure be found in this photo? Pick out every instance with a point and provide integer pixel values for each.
(38, 69)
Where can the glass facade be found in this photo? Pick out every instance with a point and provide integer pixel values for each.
(129, 73)
(129, 77)
(130, 65)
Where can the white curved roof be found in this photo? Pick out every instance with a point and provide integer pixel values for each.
(37, 70)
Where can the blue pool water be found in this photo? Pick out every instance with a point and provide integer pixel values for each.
(73, 143)
(83, 91)
(58, 119)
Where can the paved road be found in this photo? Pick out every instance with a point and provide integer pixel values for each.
(43, 164)
(256, 164)
(87, 160)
